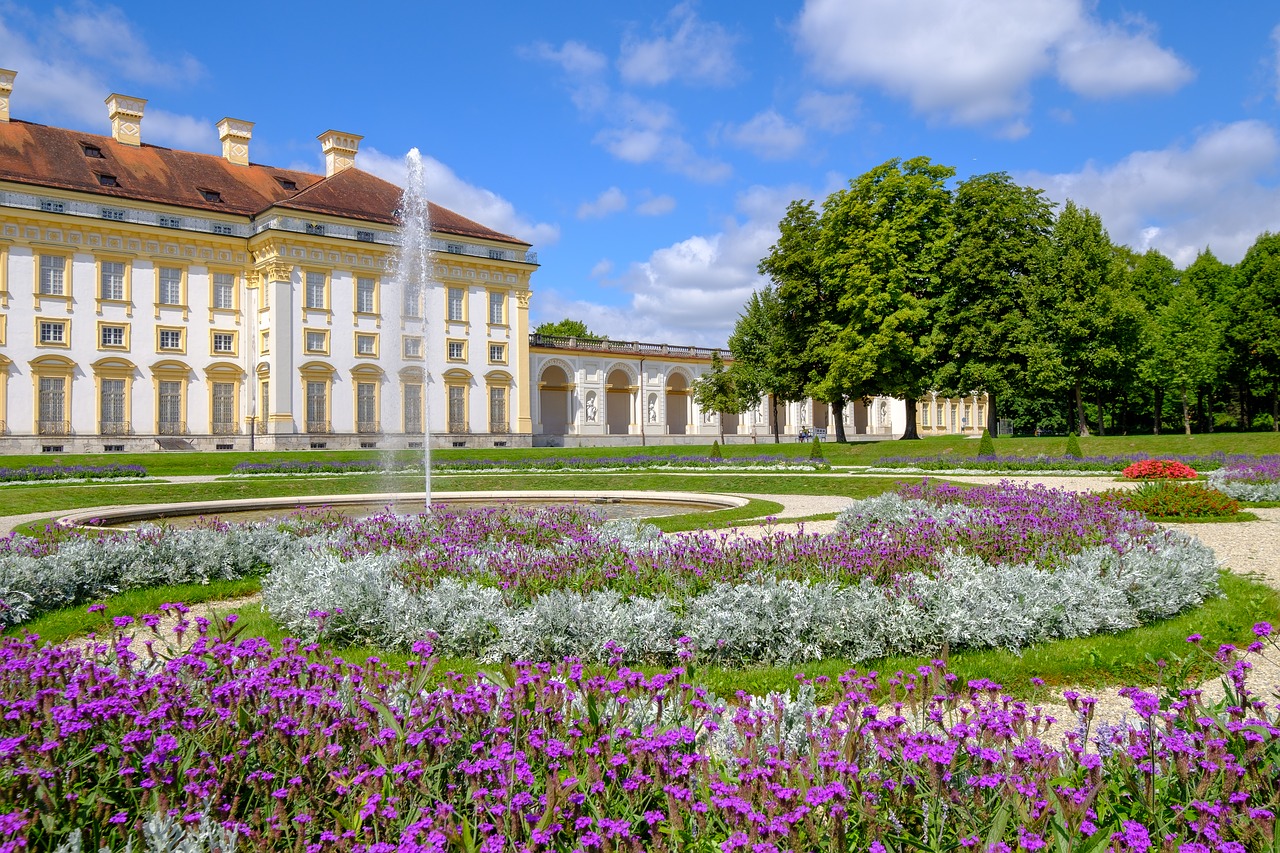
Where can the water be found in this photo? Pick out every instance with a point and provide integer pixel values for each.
(413, 272)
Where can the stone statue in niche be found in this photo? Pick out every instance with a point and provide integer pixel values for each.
(591, 407)
(882, 413)
(653, 408)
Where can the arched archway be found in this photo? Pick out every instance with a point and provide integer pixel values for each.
(677, 403)
(618, 391)
(553, 400)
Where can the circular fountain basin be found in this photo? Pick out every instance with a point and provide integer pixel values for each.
(612, 504)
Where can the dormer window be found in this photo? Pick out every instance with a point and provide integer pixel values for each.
(108, 180)
(92, 151)
(286, 184)
(212, 195)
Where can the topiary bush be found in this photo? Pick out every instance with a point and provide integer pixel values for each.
(815, 451)
(715, 451)
(1073, 446)
(986, 447)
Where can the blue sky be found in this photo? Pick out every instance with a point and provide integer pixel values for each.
(647, 150)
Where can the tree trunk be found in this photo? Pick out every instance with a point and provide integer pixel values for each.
(837, 408)
(773, 403)
(1082, 426)
(1208, 412)
(992, 421)
(1159, 407)
(1102, 420)
(910, 433)
(1186, 412)
(1275, 408)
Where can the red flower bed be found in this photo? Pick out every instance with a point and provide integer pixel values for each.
(1159, 469)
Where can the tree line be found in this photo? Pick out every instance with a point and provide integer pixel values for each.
(902, 284)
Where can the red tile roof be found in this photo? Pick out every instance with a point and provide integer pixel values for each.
(39, 155)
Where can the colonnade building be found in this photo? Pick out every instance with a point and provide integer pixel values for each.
(156, 297)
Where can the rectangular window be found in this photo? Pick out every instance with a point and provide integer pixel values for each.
(453, 248)
(265, 399)
(112, 280)
(224, 406)
(317, 411)
(171, 339)
(53, 332)
(940, 422)
(53, 270)
(457, 351)
(111, 407)
(169, 291)
(455, 303)
(115, 214)
(412, 301)
(366, 407)
(266, 342)
(169, 221)
(51, 206)
(224, 342)
(954, 414)
(224, 290)
(457, 408)
(364, 296)
(53, 405)
(222, 229)
(413, 408)
(413, 347)
(497, 308)
(366, 236)
(366, 345)
(924, 414)
(170, 410)
(981, 412)
(316, 342)
(496, 254)
(498, 410)
(315, 290)
(497, 353)
(112, 336)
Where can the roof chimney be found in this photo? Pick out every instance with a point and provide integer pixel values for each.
(339, 150)
(126, 118)
(235, 135)
(6, 89)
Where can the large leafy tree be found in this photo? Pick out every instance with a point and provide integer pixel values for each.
(1186, 348)
(764, 364)
(1154, 279)
(884, 244)
(717, 391)
(1257, 327)
(1085, 318)
(810, 316)
(1000, 231)
(568, 328)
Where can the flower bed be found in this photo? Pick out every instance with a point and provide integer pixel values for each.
(236, 745)
(1159, 469)
(36, 473)
(1163, 499)
(556, 463)
(1057, 464)
(908, 572)
(1255, 481)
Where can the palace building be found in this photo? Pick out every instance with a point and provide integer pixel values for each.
(151, 297)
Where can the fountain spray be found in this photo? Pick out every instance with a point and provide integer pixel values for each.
(413, 271)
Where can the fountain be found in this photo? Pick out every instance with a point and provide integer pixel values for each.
(413, 275)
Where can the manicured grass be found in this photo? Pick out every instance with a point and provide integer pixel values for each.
(756, 508)
(61, 625)
(1216, 519)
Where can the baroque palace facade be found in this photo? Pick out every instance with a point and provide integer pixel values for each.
(155, 297)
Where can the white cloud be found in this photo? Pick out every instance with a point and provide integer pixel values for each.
(1105, 61)
(602, 268)
(659, 205)
(612, 200)
(573, 57)
(65, 72)
(1179, 199)
(974, 62)
(833, 113)
(445, 188)
(693, 290)
(682, 48)
(1275, 37)
(767, 135)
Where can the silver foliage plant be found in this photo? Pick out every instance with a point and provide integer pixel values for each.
(164, 833)
(968, 603)
(1243, 491)
(84, 569)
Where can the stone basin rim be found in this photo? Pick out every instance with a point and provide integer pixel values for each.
(106, 517)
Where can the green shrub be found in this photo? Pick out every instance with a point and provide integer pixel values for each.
(1073, 446)
(715, 450)
(1165, 499)
(986, 447)
(815, 451)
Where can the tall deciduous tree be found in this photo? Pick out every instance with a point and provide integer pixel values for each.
(1257, 327)
(568, 328)
(999, 242)
(1154, 279)
(1187, 346)
(716, 391)
(885, 241)
(763, 364)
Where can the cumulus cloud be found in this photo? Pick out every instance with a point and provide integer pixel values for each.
(833, 113)
(602, 268)
(974, 62)
(1217, 191)
(573, 57)
(612, 200)
(683, 48)
(658, 205)
(767, 135)
(68, 62)
(445, 188)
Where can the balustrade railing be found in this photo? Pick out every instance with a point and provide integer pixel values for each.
(171, 428)
(53, 428)
(225, 428)
(457, 426)
(319, 427)
(499, 427)
(115, 428)
(636, 347)
(368, 427)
